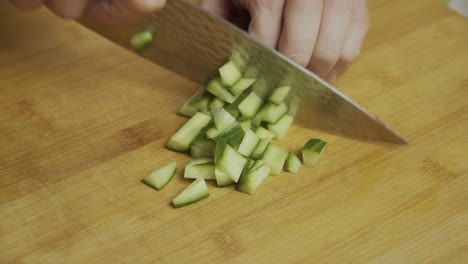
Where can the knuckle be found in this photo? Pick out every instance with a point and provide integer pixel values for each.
(271, 5)
(326, 58)
(300, 58)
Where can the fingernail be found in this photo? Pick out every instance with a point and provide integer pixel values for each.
(332, 76)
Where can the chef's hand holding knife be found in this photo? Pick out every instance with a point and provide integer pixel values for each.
(325, 36)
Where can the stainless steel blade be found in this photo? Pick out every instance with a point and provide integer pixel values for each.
(193, 43)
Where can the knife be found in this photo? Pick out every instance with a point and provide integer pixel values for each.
(193, 43)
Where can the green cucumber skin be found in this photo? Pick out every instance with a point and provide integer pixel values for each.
(250, 182)
(177, 204)
(195, 192)
(186, 135)
(152, 181)
(312, 151)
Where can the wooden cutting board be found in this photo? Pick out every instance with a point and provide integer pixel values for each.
(83, 121)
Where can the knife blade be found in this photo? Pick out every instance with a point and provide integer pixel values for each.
(194, 43)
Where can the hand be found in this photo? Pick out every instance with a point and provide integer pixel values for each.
(113, 12)
(323, 35)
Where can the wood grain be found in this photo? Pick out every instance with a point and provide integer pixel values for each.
(82, 122)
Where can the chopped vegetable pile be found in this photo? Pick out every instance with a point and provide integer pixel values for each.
(230, 136)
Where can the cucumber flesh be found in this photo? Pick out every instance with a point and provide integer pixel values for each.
(142, 39)
(250, 182)
(279, 94)
(273, 113)
(184, 137)
(274, 158)
(280, 129)
(187, 109)
(233, 108)
(201, 104)
(242, 85)
(202, 147)
(214, 104)
(222, 179)
(231, 163)
(246, 124)
(233, 136)
(222, 119)
(293, 163)
(161, 177)
(195, 192)
(261, 146)
(250, 105)
(264, 133)
(312, 151)
(199, 161)
(249, 143)
(257, 165)
(216, 88)
(201, 170)
(229, 73)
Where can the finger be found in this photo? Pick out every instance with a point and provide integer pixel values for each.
(67, 8)
(222, 8)
(118, 12)
(353, 43)
(266, 19)
(336, 17)
(27, 4)
(300, 29)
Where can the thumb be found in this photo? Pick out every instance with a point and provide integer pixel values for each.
(118, 12)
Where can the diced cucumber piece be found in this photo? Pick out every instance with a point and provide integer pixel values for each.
(222, 179)
(257, 165)
(199, 161)
(249, 165)
(264, 133)
(142, 39)
(246, 124)
(275, 158)
(160, 178)
(233, 136)
(231, 162)
(233, 108)
(222, 119)
(273, 113)
(184, 137)
(281, 128)
(202, 147)
(229, 73)
(257, 120)
(187, 110)
(250, 182)
(200, 168)
(250, 105)
(293, 163)
(201, 103)
(242, 85)
(249, 143)
(279, 94)
(261, 146)
(312, 151)
(195, 192)
(215, 104)
(216, 88)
